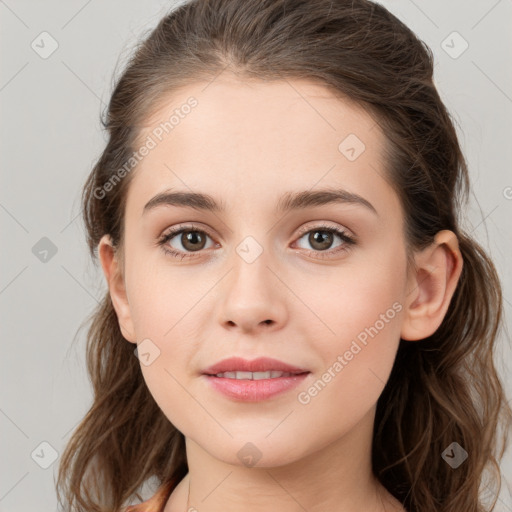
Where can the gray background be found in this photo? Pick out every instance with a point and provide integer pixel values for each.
(50, 138)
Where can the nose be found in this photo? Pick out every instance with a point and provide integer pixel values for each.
(253, 297)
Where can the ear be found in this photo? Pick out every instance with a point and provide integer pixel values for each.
(432, 285)
(112, 270)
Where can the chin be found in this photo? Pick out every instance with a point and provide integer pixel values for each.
(257, 451)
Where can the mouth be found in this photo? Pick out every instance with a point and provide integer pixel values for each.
(253, 381)
(254, 390)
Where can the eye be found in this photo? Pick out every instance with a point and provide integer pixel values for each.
(321, 239)
(192, 239)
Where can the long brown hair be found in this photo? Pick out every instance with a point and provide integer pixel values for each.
(443, 389)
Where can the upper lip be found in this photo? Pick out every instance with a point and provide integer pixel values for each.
(261, 364)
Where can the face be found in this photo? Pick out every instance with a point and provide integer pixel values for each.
(319, 286)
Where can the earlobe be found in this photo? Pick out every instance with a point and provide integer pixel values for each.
(432, 285)
(116, 285)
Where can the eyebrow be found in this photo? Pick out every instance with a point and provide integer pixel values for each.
(289, 201)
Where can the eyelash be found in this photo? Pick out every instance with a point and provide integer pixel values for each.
(348, 240)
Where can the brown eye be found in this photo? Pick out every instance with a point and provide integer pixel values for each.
(193, 240)
(320, 240)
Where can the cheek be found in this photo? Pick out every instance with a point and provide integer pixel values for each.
(363, 310)
(162, 296)
(353, 297)
(165, 310)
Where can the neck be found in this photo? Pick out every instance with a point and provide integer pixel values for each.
(337, 477)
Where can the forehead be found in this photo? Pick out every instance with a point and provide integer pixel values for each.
(256, 138)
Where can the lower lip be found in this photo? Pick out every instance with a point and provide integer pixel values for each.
(254, 390)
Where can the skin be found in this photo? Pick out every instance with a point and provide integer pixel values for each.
(246, 144)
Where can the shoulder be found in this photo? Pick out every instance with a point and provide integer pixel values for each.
(157, 502)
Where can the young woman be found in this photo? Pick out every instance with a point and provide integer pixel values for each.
(294, 318)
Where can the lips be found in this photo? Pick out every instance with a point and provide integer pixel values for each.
(253, 381)
(261, 364)
(246, 390)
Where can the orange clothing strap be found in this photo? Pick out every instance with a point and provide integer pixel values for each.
(157, 502)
